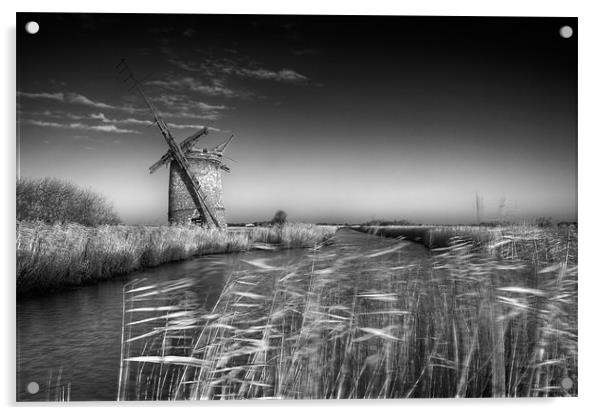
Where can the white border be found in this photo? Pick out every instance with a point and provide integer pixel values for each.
(590, 120)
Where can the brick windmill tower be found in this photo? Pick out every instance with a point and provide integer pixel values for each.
(206, 166)
(195, 185)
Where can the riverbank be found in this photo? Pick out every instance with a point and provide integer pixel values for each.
(51, 257)
(528, 242)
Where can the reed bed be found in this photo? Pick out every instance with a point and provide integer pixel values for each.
(298, 235)
(521, 240)
(434, 237)
(378, 323)
(52, 256)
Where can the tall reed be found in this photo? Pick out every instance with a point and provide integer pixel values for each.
(373, 323)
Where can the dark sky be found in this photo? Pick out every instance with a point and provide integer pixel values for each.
(335, 118)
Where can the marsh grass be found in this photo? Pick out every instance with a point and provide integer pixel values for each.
(296, 235)
(514, 241)
(498, 321)
(52, 256)
(434, 237)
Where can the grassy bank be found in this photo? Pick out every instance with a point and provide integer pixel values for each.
(51, 256)
(376, 324)
(518, 241)
(434, 237)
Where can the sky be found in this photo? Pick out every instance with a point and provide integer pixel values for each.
(335, 118)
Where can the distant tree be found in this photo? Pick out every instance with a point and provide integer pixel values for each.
(59, 201)
(279, 218)
(543, 221)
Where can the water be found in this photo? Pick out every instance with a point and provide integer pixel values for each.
(70, 340)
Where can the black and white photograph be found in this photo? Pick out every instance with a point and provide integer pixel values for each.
(248, 206)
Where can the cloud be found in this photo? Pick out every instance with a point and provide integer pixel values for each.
(81, 126)
(213, 116)
(55, 114)
(190, 67)
(184, 101)
(193, 126)
(103, 118)
(72, 116)
(181, 106)
(135, 121)
(191, 84)
(217, 72)
(175, 105)
(75, 98)
(58, 96)
(100, 117)
(283, 75)
(104, 128)
(218, 68)
(44, 123)
(110, 129)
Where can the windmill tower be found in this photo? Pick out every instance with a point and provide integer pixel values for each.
(195, 186)
(206, 166)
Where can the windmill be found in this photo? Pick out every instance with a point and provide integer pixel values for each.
(195, 186)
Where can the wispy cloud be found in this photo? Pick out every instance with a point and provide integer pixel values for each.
(283, 75)
(216, 73)
(109, 128)
(206, 116)
(103, 118)
(177, 106)
(184, 101)
(44, 123)
(57, 114)
(190, 67)
(181, 106)
(100, 117)
(194, 126)
(57, 96)
(135, 121)
(194, 85)
(75, 98)
(215, 68)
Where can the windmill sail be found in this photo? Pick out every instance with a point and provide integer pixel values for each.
(184, 145)
(223, 146)
(177, 156)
